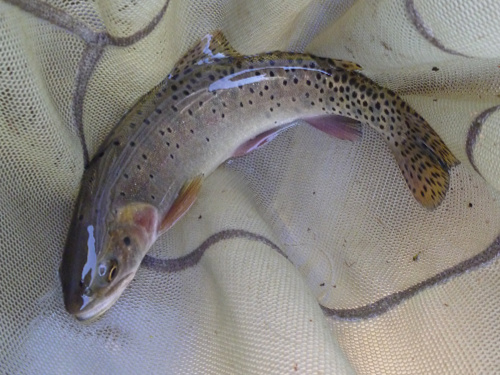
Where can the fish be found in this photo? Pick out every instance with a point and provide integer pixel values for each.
(217, 104)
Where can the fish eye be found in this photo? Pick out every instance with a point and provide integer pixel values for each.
(112, 272)
(126, 241)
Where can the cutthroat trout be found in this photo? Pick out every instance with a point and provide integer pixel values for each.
(214, 105)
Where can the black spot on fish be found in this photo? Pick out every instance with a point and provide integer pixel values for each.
(126, 241)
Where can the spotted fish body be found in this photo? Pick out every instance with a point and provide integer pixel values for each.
(214, 105)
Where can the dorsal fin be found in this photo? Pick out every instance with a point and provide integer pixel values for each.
(208, 50)
(346, 65)
(219, 46)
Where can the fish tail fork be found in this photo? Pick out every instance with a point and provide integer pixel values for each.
(422, 156)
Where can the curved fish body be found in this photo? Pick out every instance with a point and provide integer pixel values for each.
(217, 104)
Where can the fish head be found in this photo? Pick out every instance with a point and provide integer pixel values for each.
(102, 256)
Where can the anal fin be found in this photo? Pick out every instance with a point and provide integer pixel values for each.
(332, 125)
(336, 126)
(185, 199)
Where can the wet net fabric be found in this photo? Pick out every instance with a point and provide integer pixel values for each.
(313, 257)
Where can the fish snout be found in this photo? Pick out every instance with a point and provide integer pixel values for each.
(73, 293)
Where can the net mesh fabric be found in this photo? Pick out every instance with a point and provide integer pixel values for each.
(316, 259)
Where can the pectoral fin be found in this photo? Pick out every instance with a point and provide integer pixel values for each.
(185, 199)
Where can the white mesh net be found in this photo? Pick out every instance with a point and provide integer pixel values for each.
(315, 259)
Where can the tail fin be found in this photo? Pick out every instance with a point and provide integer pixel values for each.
(422, 156)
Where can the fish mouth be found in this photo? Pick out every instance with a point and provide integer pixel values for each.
(94, 307)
